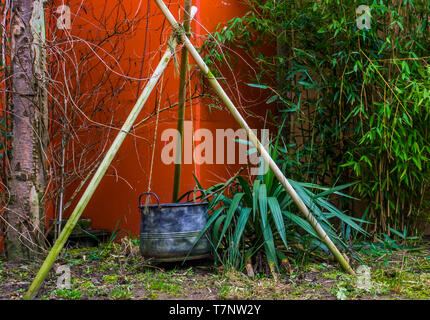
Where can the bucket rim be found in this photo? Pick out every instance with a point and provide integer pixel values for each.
(174, 204)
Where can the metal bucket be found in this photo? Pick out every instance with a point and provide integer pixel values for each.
(168, 231)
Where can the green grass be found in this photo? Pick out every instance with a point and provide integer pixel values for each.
(111, 279)
(401, 274)
(69, 294)
(121, 293)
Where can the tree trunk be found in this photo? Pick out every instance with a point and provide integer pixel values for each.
(27, 182)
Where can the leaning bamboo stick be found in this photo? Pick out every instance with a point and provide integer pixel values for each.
(110, 154)
(263, 152)
(92, 186)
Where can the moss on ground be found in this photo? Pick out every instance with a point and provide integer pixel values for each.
(117, 272)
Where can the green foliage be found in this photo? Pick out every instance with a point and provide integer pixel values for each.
(110, 278)
(357, 101)
(72, 294)
(121, 293)
(248, 218)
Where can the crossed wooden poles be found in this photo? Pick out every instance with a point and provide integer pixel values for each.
(178, 36)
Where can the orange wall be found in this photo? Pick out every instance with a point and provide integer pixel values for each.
(116, 200)
(128, 176)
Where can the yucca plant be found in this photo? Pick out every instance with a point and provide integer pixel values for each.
(260, 216)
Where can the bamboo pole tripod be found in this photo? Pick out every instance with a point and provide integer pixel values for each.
(177, 37)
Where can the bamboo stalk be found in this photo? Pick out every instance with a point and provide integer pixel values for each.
(263, 152)
(92, 186)
(181, 107)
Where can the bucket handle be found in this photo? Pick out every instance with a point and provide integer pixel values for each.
(188, 194)
(145, 193)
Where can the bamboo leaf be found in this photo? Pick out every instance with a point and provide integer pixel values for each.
(254, 85)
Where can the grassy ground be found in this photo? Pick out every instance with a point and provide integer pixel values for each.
(118, 272)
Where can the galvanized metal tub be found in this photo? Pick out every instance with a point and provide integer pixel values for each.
(168, 231)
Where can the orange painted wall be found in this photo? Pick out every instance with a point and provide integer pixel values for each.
(116, 198)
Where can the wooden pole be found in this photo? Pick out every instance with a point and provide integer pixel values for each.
(92, 186)
(110, 154)
(263, 152)
(181, 105)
